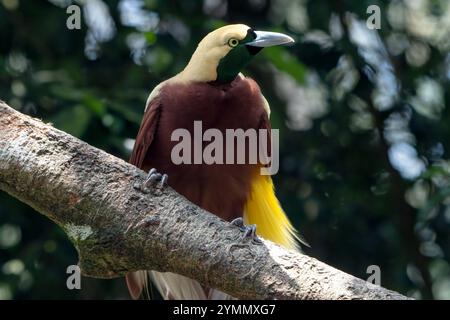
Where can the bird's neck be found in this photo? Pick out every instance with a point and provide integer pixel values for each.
(205, 72)
(200, 68)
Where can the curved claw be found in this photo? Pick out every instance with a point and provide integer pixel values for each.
(152, 171)
(238, 222)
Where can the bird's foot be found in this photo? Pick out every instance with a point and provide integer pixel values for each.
(249, 231)
(153, 179)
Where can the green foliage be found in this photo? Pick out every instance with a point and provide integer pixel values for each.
(363, 115)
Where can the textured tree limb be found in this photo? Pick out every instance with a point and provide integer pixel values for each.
(117, 228)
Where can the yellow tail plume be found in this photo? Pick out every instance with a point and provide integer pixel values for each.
(264, 210)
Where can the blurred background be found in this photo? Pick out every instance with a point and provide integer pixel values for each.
(364, 121)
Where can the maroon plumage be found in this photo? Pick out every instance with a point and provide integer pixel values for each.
(221, 189)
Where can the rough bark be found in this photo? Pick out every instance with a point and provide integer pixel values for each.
(116, 227)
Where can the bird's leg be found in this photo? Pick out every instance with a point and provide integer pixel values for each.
(249, 231)
(154, 176)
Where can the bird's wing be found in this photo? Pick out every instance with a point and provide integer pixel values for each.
(264, 124)
(146, 132)
(266, 105)
(136, 281)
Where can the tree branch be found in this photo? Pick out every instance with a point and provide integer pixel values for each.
(117, 228)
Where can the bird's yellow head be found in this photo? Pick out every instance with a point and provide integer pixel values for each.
(223, 53)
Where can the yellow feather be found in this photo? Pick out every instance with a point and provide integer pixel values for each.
(264, 210)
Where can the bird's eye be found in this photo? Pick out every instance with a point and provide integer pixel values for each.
(233, 42)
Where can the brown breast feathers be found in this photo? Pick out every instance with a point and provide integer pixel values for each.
(218, 188)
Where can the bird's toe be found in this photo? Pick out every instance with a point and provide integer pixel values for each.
(154, 176)
(238, 222)
(249, 231)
